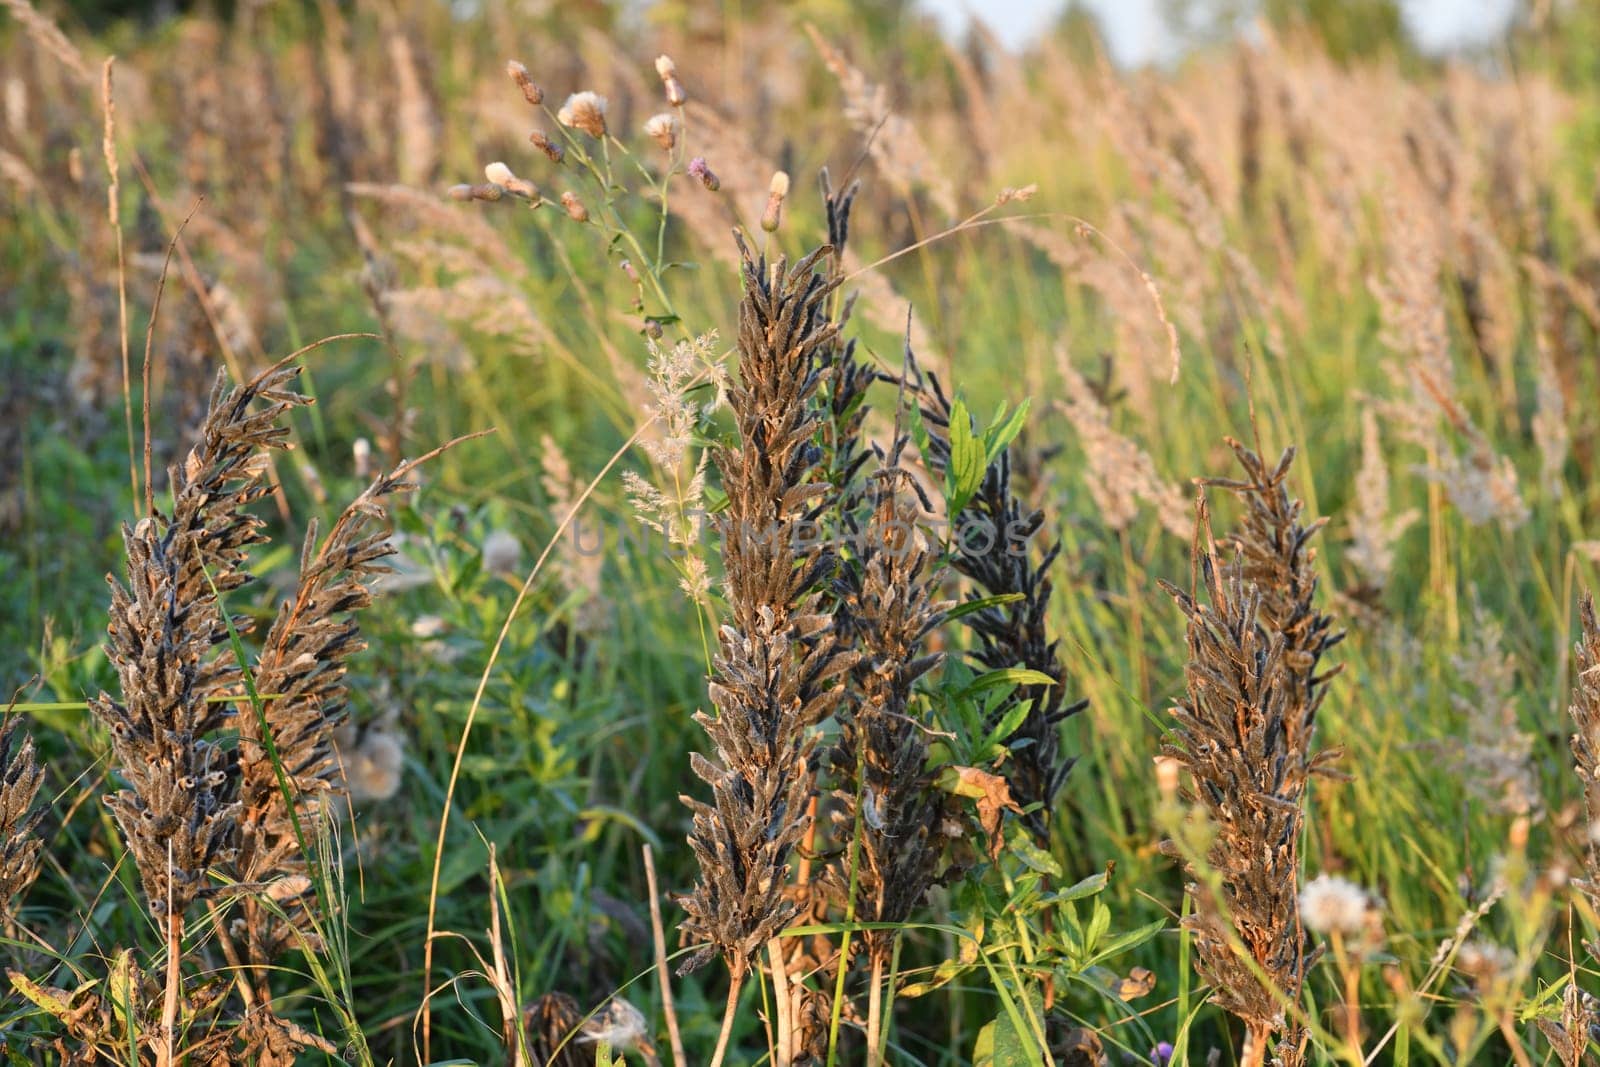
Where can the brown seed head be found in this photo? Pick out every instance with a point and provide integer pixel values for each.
(543, 143)
(530, 91)
(669, 78)
(584, 111)
(663, 129)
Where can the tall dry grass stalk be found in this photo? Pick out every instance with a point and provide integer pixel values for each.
(1580, 1012)
(20, 779)
(288, 774)
(169, 644)
(1585, 711)
(206, 820)
(1245, 732)
(778, 670)
(887, 797)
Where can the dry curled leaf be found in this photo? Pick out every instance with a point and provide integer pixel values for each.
(991, 791)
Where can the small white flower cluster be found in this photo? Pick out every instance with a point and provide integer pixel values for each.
(372, 760)
(1330, 904)
(502, 553)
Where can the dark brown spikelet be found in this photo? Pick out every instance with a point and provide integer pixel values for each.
(1585, 711)
(999, 557)
(778, 670)
(20, 779)
(287, 765)
(1245, 730)
(846, 378)
(882, 752)
(552, 1022)
(168, 644)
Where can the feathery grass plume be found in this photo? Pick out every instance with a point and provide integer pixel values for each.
(1494, 755)
(893, 141)
(1014, 633)
(675, 372)
(1551, 431)
(49, 38)
(1244, 731)
(1119, 473)
(778, 669)
(20, 779)
(880, 760)
(578, 571)
(1373, 531)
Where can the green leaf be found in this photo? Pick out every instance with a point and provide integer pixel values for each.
(1099, 923)
(1008, 676)
(1086, 888)
(983, 1048)
(1129, 941)
(982, 603)
(123, 987)
(919, 430)
(1000, 1044)
(1002, 433)
(1022, 847)
(53, 1001)
(1009, 722)
(946, 972)
(963, 475)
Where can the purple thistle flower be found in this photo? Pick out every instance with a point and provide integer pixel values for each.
(698, 169)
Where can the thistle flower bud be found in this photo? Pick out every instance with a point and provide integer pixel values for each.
(459, 192)
(500, 174)
(530, 92)
(584, 111)
(574, 206)
(1167, 775)
(773, 215)
(698, 169)
(543, 143)
(663, 128)
(669, 78)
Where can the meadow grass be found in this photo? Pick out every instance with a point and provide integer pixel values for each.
(1387, 261)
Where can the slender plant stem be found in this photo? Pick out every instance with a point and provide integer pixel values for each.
(784, 1003)
(734, 986)
(166, 1050)
(1508, 1030)
(425, 1012)
(1255, 1045)
(874, 1014)
(1352, 995)
(678, 1058)
(849, 913)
